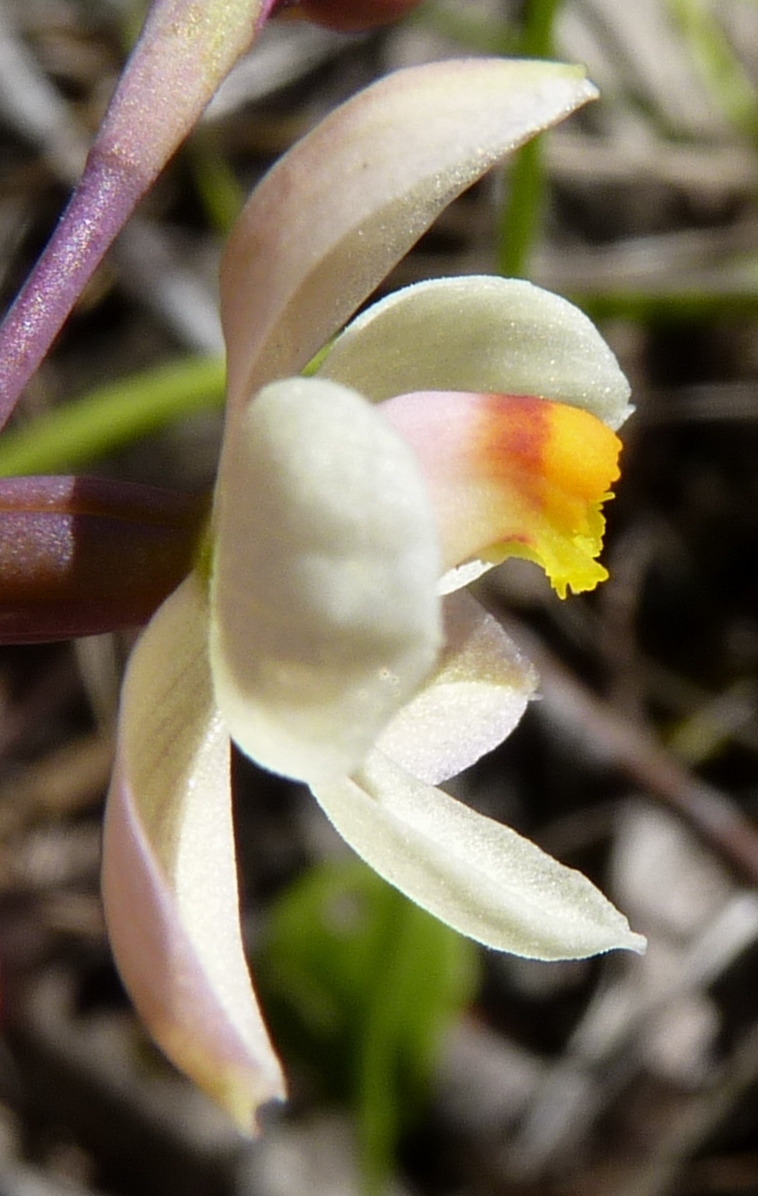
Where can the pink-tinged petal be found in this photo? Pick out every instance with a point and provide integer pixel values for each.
(512, 475)
(325, 615)
(477, 695)
(477, 875)
(480, 333)
(169, 877)
(335, 214)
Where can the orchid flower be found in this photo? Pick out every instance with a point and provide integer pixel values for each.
(452, 424)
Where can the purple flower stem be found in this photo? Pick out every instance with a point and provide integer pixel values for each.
(184, 51)
(96, 212)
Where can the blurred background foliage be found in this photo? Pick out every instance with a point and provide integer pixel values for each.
(416, 1062)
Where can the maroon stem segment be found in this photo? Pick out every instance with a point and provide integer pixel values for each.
(80, 556)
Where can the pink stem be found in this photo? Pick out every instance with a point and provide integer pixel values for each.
(96, 212)
(183, 53)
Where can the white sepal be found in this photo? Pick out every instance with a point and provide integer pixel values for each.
(472, 702)
(478, 876)
(169, 875)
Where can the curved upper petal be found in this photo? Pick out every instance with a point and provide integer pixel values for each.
(325, 615)
(476, 696)
(342, 207)
(480, 333)
(477, 875)
(169, 877)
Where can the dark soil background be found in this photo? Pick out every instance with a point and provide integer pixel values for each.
(613, 1077)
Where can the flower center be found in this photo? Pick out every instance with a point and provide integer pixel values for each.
(513, 475)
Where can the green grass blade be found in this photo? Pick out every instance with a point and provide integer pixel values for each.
(521, 212)
(720, 68)
(77, 433)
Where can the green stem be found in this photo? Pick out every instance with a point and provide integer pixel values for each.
(537, 33)
(521, 212)
(379, 1118)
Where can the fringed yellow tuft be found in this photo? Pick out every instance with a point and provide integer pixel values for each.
(554, 465)
(511, 475)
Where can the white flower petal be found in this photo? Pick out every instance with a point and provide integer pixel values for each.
(480, 333)
(325, 616)
(462, 575)
(475, 874)
(342, 207)
(169, 877)
(477, 695)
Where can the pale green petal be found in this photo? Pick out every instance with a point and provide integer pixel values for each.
(480, 333)
(324, 590)
(477, 695)
(169, 877)
(475, 874)
(342, 207)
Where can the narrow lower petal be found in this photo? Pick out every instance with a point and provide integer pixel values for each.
(475, 698)
(342, 207)
(512, 475)
(480, 333)
(325, 616)
(480, 877)
(169, 877)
